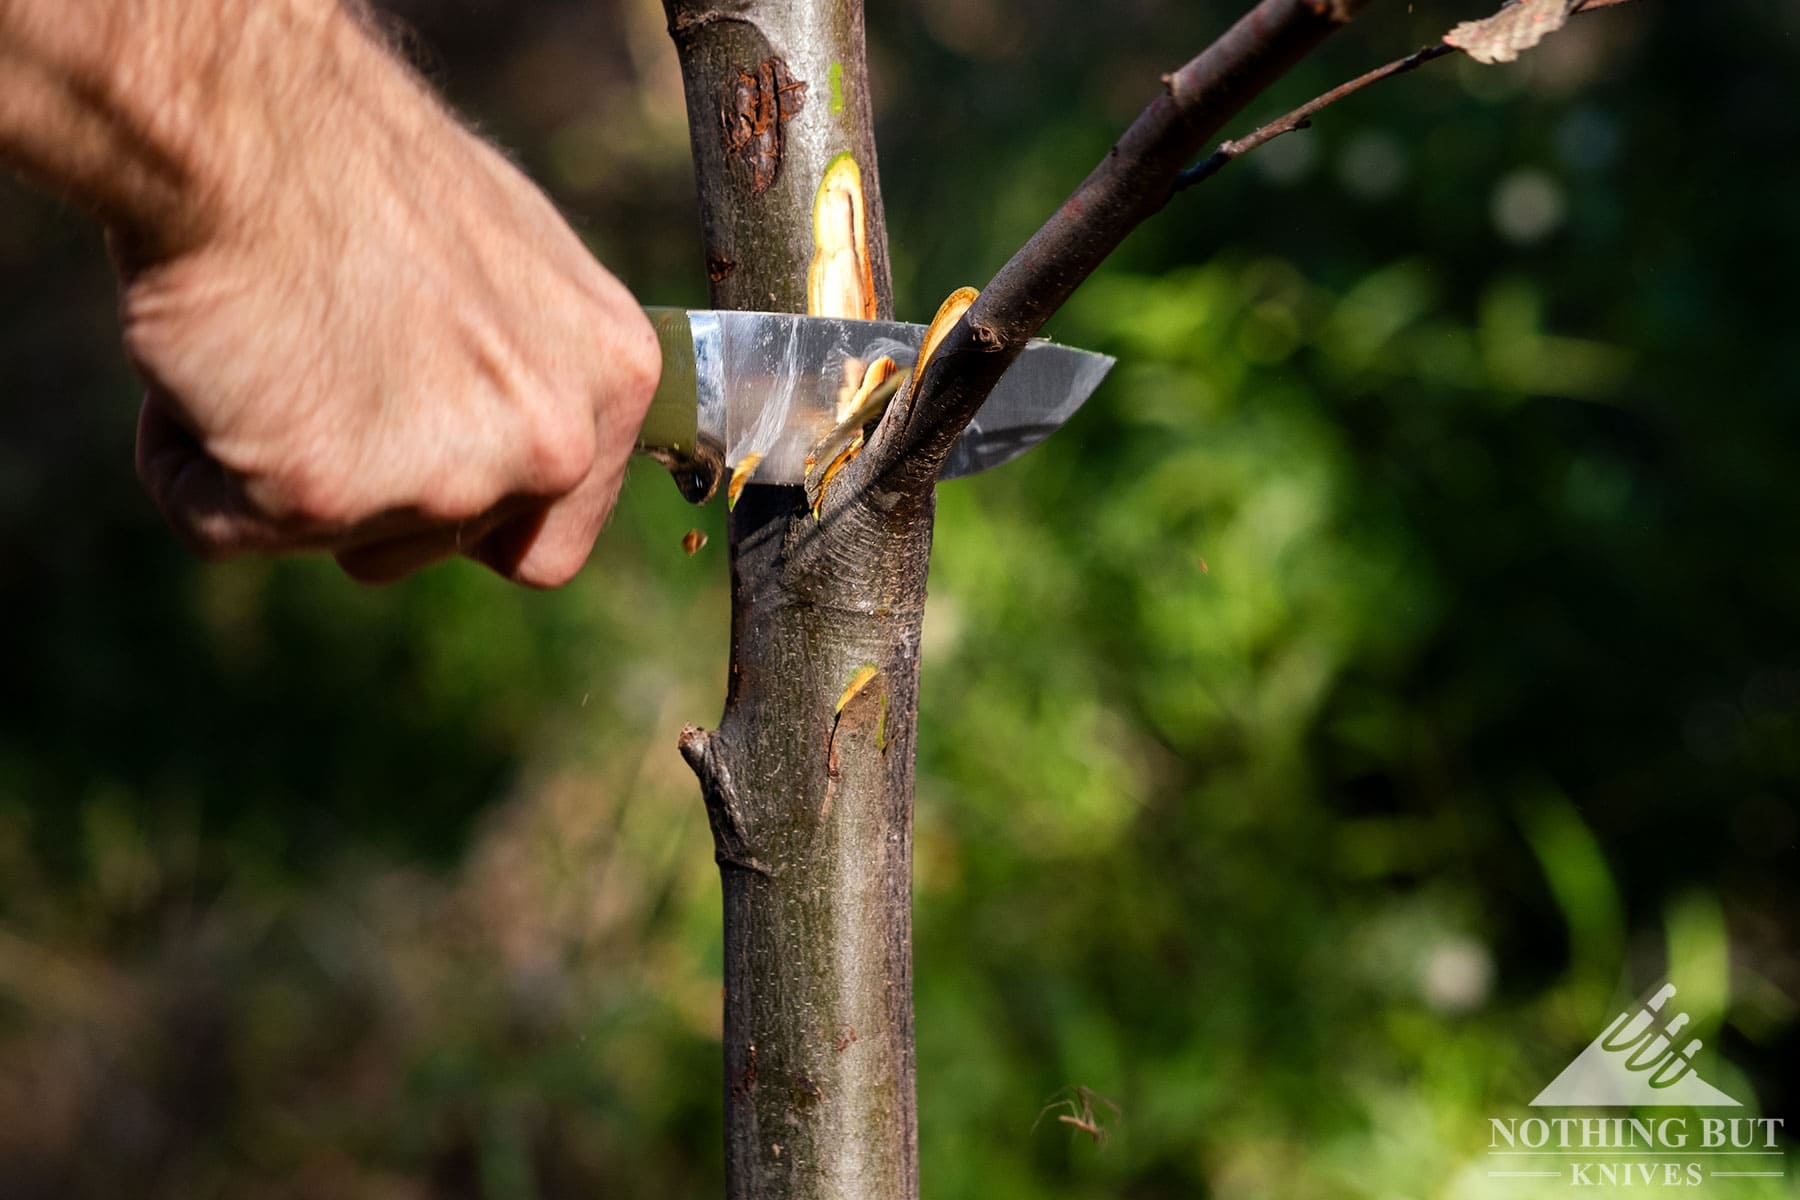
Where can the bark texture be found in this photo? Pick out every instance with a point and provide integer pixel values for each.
(776, 90)
(807, 779)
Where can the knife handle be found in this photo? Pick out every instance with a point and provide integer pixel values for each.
(670, 432)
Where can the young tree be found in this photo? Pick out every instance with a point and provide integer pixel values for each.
(808, 778)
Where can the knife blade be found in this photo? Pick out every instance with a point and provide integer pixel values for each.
(736, 384)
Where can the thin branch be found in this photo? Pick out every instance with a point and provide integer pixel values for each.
(1134, 181)
(1146, 167)
(1301, 118)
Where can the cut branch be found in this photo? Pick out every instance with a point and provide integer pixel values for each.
(1135, 181)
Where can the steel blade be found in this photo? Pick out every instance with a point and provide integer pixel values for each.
(768, 384)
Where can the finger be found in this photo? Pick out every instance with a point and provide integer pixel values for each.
(546, 549)
(506, 546)
(202, 501)
(394, 545)
(394, 559)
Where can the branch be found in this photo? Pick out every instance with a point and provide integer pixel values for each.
(1133, 182)
(1301, 118)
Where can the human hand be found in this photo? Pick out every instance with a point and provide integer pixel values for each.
(377, 339)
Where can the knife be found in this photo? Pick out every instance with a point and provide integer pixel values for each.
(738, 384)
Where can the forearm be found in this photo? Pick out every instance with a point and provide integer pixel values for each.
(360, 329)
(159, 114)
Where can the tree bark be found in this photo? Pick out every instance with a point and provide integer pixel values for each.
(808, 780)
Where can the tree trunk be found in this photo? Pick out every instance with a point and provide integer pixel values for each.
(808, 780)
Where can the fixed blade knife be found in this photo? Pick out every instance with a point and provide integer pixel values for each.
(737, 384)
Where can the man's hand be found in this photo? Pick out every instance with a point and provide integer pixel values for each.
(362, 330)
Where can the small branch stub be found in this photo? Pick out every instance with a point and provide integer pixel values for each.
(724, 810)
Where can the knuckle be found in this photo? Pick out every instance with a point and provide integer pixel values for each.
(139, 341)
(302, 495)
(155, 307)
(451, 498)
(559, 452)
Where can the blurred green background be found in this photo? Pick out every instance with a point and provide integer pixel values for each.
(1390, 673)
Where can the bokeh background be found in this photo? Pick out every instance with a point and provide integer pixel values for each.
(1392, 671)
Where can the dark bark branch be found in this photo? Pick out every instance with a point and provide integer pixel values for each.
(809, 799)
(1141, 172)
(1134, 181)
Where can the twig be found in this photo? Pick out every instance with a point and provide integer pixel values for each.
(1301, 118)
(1139, 175)
(1134, 181)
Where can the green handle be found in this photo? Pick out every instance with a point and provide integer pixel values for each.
(670, 432)
(669, 426)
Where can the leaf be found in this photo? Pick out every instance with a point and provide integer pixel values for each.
(740, 475)
(857, 683)
(692, 541)
(1518, 26)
